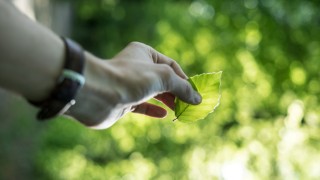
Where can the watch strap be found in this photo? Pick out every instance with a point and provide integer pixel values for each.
(69, 82)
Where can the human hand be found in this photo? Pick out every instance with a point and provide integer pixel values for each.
(126, 82)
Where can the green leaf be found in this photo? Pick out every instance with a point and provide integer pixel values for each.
(208, 85)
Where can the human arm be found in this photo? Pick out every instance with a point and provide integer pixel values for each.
(31, 55)
(32, 58)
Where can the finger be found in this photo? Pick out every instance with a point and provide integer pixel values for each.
(184, 91)
(162, 59)
(167, 99)
(150, 110)
(178, 86)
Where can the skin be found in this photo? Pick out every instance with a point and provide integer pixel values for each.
(32, 57)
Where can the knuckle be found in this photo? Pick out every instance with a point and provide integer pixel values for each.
(174, 64)
(136, 44)
(141, 47)
(154, 56)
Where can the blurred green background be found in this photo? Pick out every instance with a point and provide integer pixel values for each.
(266, 127)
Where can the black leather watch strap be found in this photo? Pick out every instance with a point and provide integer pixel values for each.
(74, 56)
(68, 84)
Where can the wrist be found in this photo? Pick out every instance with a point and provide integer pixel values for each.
(99, 95)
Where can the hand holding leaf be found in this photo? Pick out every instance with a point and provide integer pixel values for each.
(208, 85)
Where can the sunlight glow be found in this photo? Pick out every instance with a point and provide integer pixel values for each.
(298, 75)
(201, 9)
(234, 170)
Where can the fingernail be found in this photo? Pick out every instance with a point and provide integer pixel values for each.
(197, 98)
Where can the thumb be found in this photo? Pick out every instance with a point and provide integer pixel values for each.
(183, 90)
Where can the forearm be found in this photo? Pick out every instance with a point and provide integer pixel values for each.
(31, 56)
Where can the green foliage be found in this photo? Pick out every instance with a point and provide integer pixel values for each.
(266, 127)
(208, 85)
(267, 124)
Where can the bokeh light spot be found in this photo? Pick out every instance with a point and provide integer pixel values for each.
(201, 9)
(298, 75)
